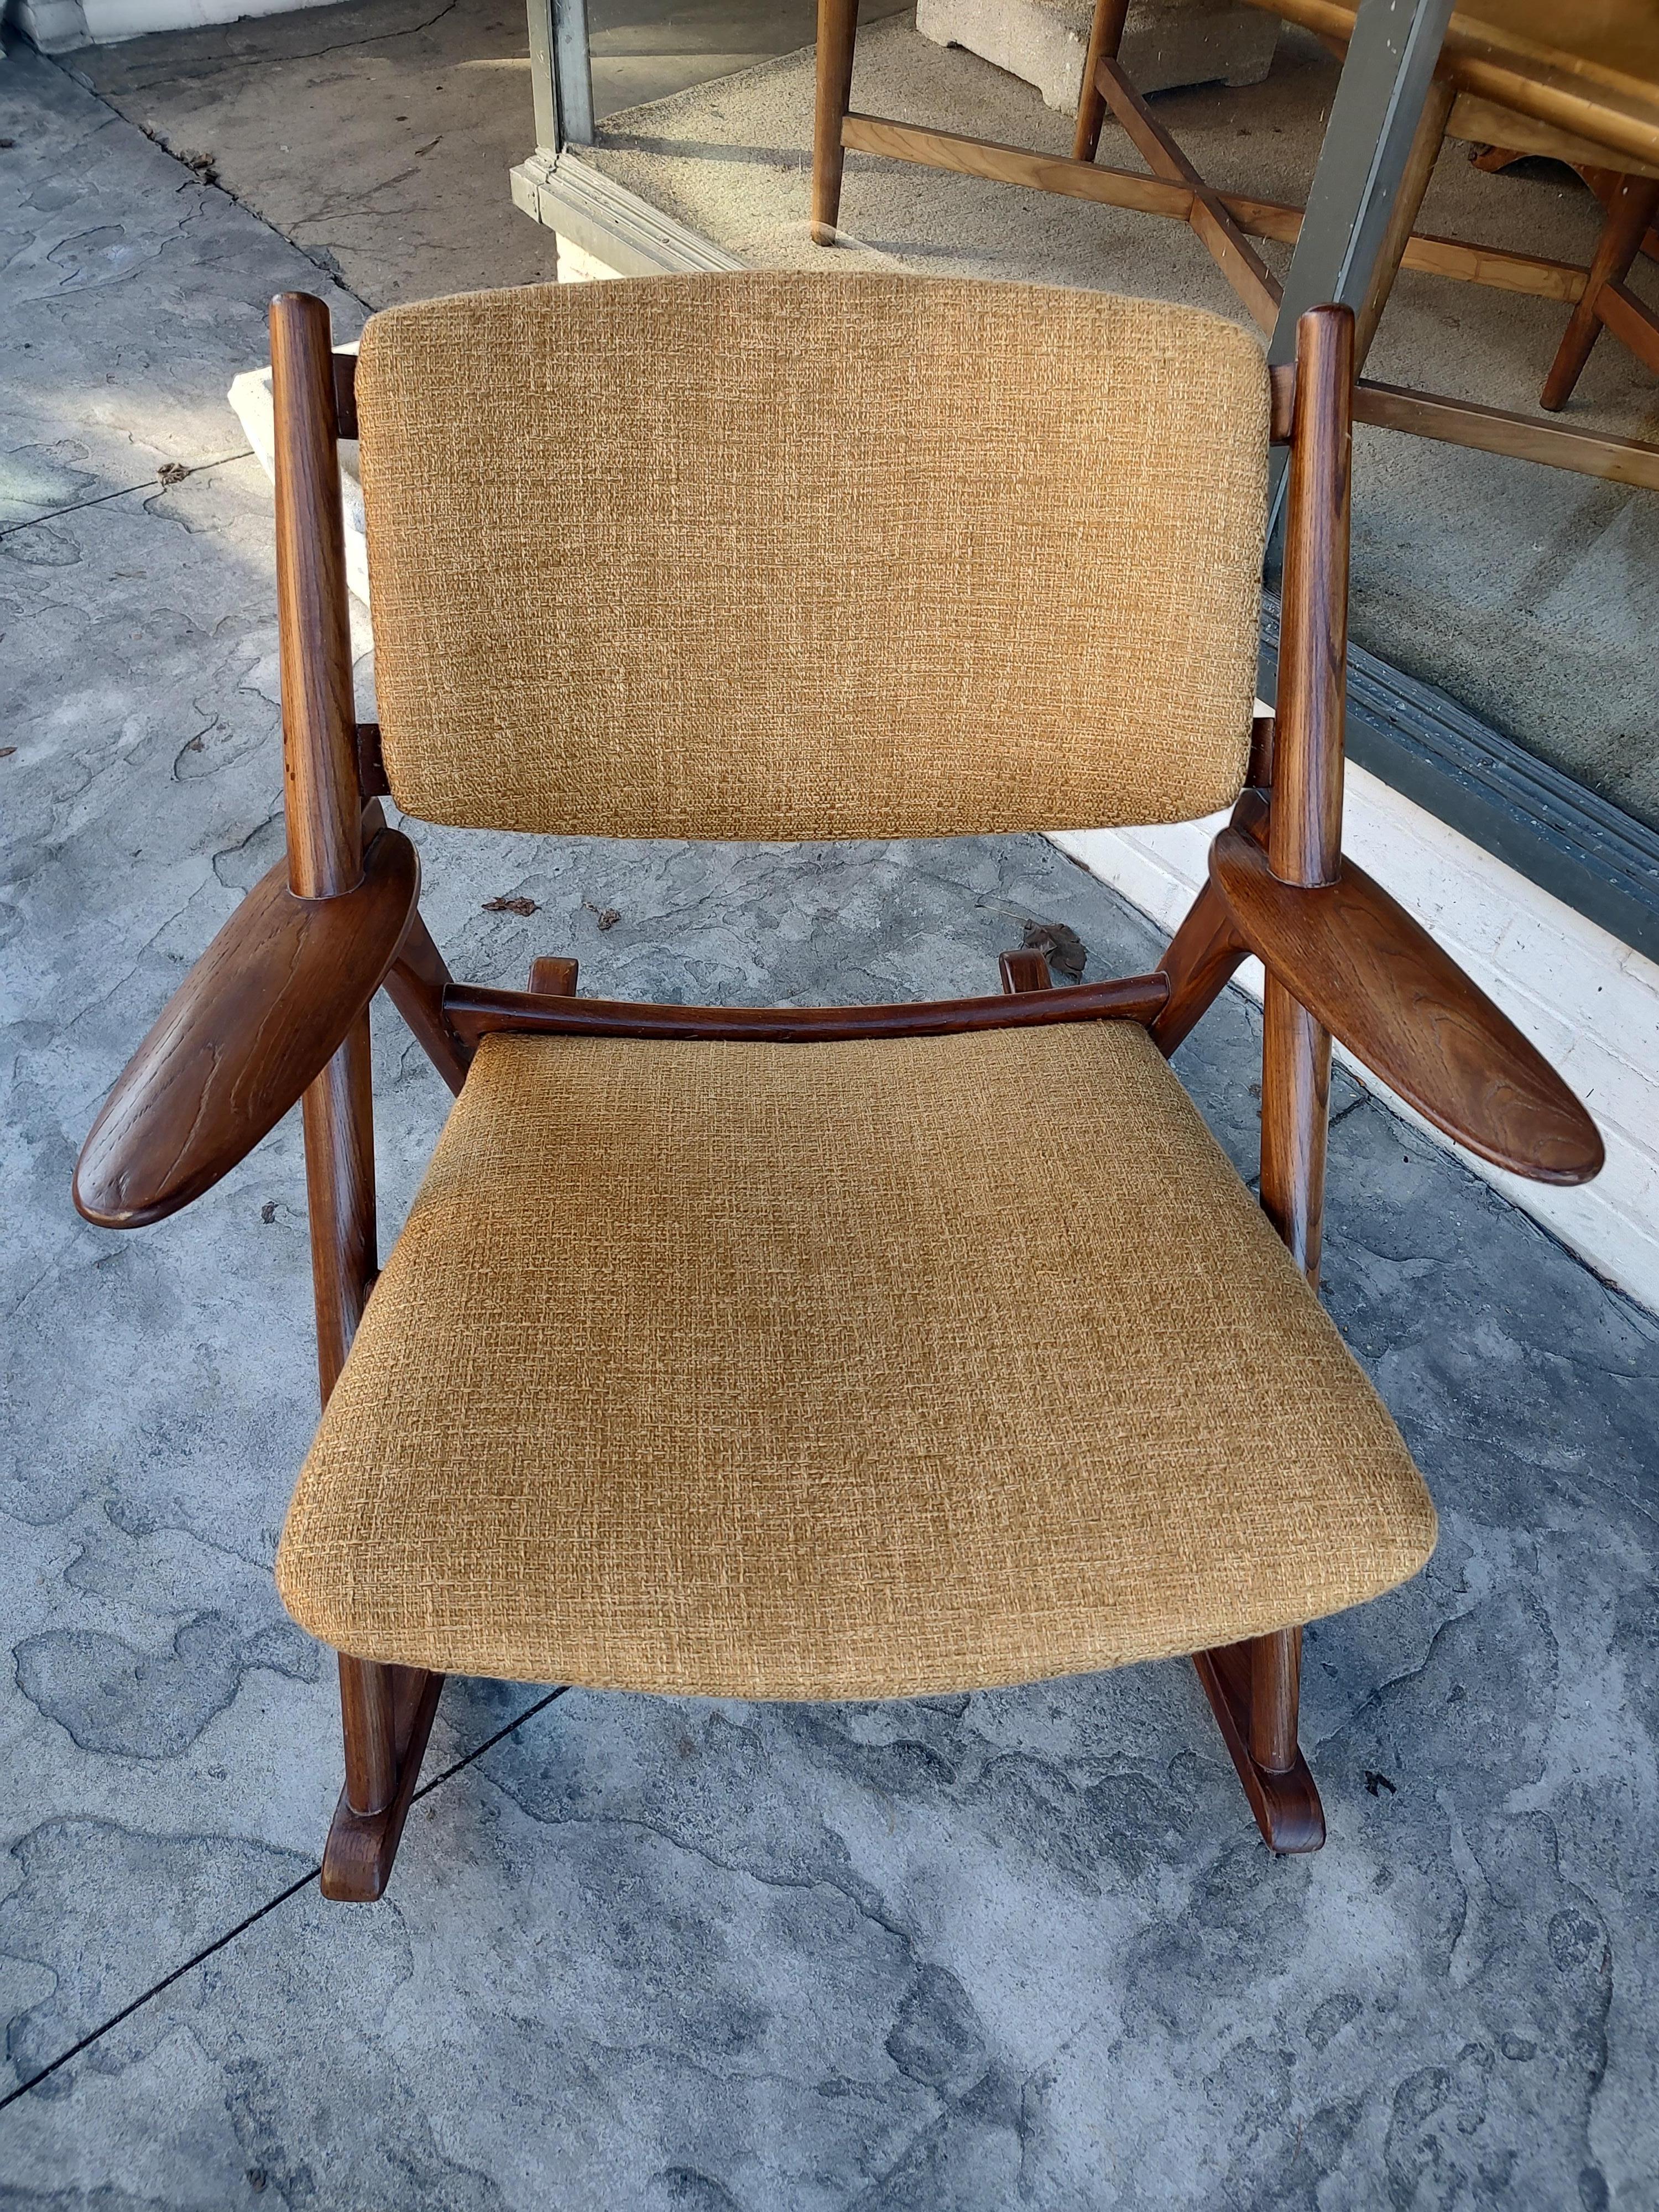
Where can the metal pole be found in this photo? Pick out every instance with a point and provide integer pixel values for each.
(560, 75)
(572, 71)
(1374, 119)
(543, 80)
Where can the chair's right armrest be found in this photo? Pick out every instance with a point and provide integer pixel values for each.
(1380, 985)
(256, 1020)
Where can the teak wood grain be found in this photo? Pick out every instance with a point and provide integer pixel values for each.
(1285, 1803)
(1026, 971)
(553, 976)
(256, 1020)
(415, 984)
(1206, 951)
(1634, 200)
(319, 724)
(1296, 1097)
(1275, 1693)
(1497, 431)
(1253, 1688)
(325, 819)
(338, 1116)
(1201, 959)
(1305, 830)
(838, 22)
(475, 1013)
(362, 1846)
(1378, 982)
(1105, 37)
(1631, 321)
(369, 1724)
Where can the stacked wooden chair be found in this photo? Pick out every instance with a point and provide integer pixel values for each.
(1579, 86)
(835, 1351)
(1535, 76)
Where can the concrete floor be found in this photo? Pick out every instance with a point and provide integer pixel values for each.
(952, 1955)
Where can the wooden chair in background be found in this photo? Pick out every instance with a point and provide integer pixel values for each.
(1577, 84)
(1630, 198)
(831, 1351)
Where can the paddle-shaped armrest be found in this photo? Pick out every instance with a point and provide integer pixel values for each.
(258, 1016)
(1405, 1009)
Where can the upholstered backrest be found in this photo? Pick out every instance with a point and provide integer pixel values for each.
(779, 555)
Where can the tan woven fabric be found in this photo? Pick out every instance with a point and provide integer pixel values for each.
(786, 556)
(838, 1371)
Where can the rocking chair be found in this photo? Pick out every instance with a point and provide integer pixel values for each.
(833, 1351)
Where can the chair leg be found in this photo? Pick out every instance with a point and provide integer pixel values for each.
(368, 1723)
(1426, 142)
(386, 1715)
(1254, 1690)
(838, 26)
(1105, 37)
(1629, 213)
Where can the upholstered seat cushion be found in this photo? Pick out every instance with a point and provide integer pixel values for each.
(843, 1369)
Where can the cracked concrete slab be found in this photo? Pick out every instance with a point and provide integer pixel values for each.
(952, 1952)
(162, 1707)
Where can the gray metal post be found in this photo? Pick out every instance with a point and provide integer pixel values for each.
(573, 72)
(543, 83)
(560, 75)
(1374, 118)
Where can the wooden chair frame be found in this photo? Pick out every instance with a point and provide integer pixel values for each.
(276, 1010)
(1225, 222)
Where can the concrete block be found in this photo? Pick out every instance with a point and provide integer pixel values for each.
(1166, 42)
(53, 26)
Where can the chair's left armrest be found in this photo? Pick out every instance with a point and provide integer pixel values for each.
(258, 1018)
(1381, 986)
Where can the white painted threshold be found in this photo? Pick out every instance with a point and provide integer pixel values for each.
(1587, 1000)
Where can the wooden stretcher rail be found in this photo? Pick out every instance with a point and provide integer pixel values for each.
(1631, 321)
(1493, 266)
(474, 1014)
(1207, 213)
(1493, 430)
